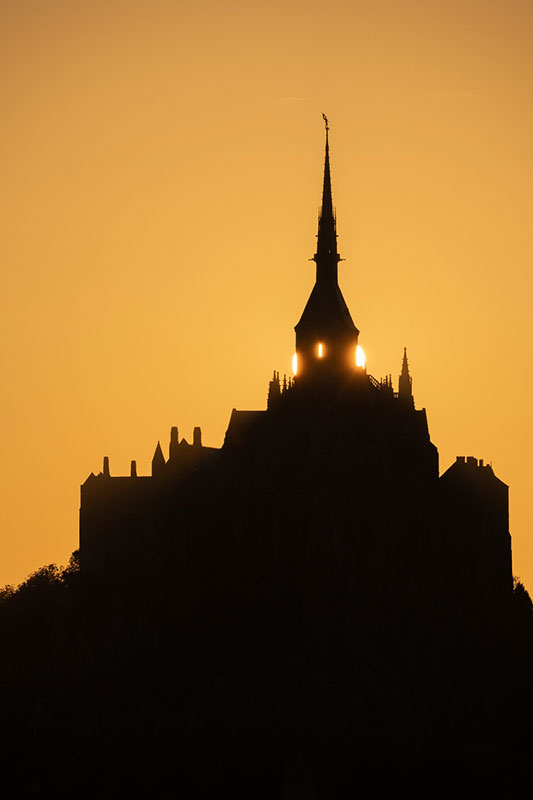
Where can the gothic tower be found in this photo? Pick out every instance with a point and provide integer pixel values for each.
(326, 337)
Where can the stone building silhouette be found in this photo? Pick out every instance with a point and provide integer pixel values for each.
(326, 508)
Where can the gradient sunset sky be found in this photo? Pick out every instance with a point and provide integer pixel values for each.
(161, 175)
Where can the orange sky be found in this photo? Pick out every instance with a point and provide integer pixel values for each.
(161, 169)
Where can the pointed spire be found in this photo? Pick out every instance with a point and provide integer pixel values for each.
(158, 461)
(405, 363)
(326, 255)
(405, 383)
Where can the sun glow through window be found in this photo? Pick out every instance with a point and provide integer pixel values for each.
(320, 350)
(360, 359)
(295, 363)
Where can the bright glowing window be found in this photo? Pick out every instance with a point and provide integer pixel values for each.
(295, 363)
(320, 350)
(360, 359)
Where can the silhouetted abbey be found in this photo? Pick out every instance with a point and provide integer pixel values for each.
(307, 613)
(331, 495)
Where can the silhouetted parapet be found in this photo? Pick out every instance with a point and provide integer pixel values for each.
(121, 517)
(174, 444)
(158, 461)
(115, 518)
(243, 428)
(476, 518)
(184, 457)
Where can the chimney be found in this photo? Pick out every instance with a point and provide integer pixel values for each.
(174, 444)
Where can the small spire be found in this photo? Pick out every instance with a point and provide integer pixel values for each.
(133, 471)
(405, 363)
(405, 383)
(158, 461)
(106, 466)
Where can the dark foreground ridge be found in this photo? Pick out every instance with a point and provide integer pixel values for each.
(309, 611)
(172, 690)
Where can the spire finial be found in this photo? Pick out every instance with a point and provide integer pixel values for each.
(326, 122)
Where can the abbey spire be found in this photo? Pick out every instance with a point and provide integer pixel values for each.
(326, 337)
(326, 256)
